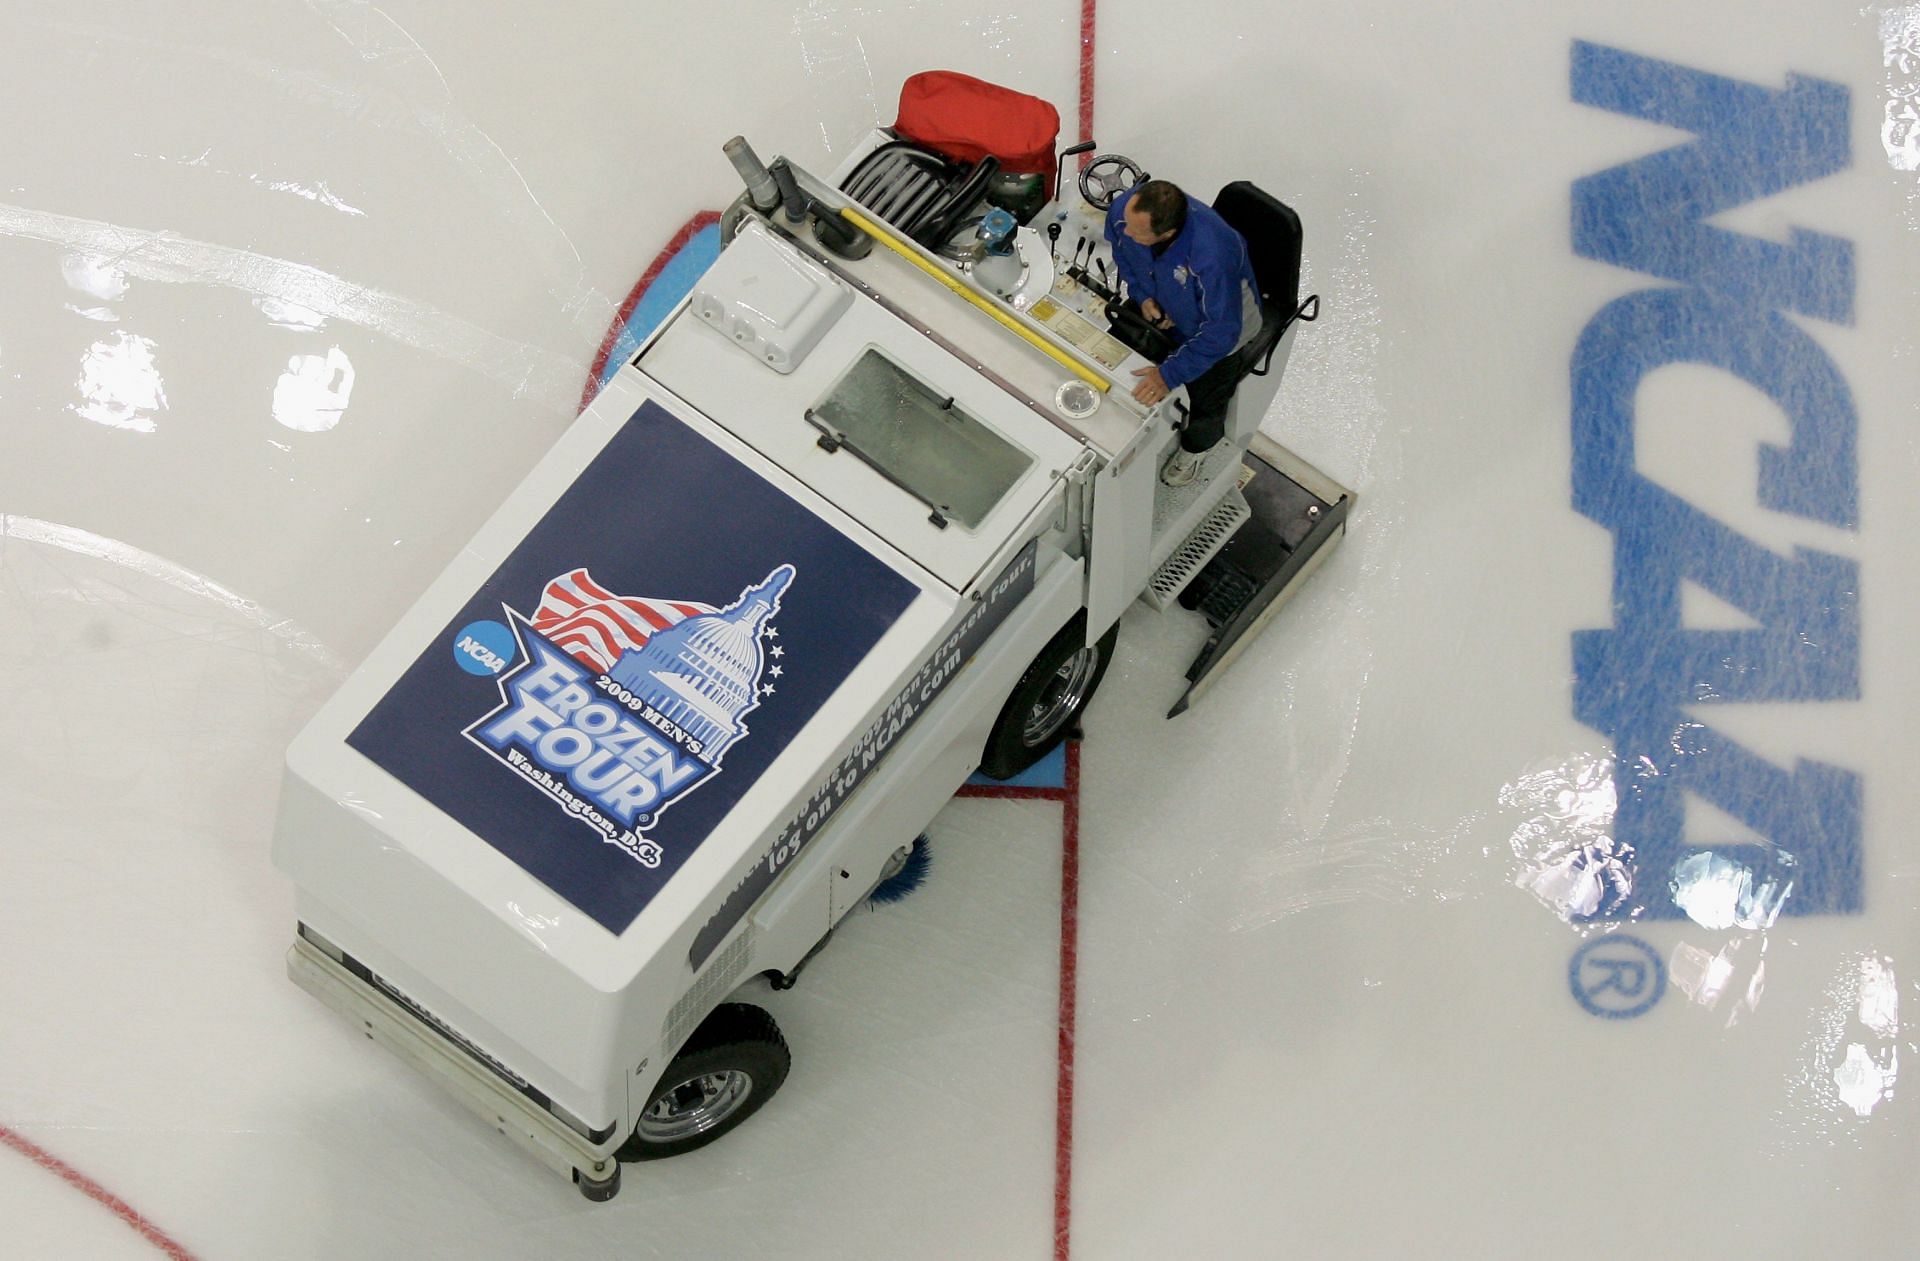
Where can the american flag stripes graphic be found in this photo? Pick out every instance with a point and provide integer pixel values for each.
(594, 626)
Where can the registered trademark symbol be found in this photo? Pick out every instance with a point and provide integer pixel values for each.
(1617, 977)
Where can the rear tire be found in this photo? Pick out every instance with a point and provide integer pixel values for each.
(1048, 700)
(729, 1068)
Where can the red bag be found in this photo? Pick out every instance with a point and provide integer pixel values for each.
(966, 119)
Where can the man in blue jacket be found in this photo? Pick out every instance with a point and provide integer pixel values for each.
(1190, 274)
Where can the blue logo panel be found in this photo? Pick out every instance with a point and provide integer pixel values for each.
(628, 673)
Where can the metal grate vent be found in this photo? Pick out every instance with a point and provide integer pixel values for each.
(1197, 549)
(447, 1031)
(714, 984)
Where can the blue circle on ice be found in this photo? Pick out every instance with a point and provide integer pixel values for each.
(485, 648)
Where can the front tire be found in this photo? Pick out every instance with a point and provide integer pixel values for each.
(1049, 699)
(726, 1072)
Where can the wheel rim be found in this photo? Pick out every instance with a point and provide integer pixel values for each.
(695, 1106)
(1062, 697)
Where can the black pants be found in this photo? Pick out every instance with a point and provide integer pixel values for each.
(1207, 397)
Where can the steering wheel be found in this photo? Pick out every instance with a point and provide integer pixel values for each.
(1107, 176)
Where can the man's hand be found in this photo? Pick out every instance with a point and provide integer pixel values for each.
(1155, 316)
(1152, 387)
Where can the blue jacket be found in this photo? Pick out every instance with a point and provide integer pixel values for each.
(1197, 282)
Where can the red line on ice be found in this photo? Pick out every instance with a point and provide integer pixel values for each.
(1012, 792)
(1070, 838)
(688, 230)
(1069, 979)
(1068, 795)
(93, 1190)
(1086, 74)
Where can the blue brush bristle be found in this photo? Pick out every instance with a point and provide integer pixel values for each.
(908, 878)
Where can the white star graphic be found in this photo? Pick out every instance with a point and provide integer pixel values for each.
(778, 651)
(767, 690)
(775, 672)
(773, 632)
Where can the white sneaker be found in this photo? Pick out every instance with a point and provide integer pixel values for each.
(1183, 467)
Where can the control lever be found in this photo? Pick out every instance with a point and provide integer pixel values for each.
(1060, 175)
(1053, 239)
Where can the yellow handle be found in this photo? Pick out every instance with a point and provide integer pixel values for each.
(886, 238)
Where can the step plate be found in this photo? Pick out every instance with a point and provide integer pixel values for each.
(1197, 549)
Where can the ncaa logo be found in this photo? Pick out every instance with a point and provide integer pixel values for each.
(484, 648)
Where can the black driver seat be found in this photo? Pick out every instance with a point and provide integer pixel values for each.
(1273, 235)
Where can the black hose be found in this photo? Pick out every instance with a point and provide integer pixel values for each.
(793, 203)
(962, 200)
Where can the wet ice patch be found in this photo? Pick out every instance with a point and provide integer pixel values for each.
(1900, 127)
(1701, 976)
(1863, 1084)
(1850, 1061)
(289, 315)
(318, 193)
(1900, 122)
(94, 276)
(119, 385)
(1717, 892)
(1879, 998)
(312, 394)
(1565, 847)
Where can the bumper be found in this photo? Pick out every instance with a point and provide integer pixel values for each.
(547, 1138)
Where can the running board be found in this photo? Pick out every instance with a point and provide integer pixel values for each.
(1298, 515)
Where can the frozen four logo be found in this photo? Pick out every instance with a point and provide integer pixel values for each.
(624, 705)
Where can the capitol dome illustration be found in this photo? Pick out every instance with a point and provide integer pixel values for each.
(703, 674)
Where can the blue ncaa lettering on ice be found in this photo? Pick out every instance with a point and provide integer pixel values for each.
(671, 627)
(1756, 310)
(485, 648)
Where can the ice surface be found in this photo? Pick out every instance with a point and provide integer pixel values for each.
(295, 294)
